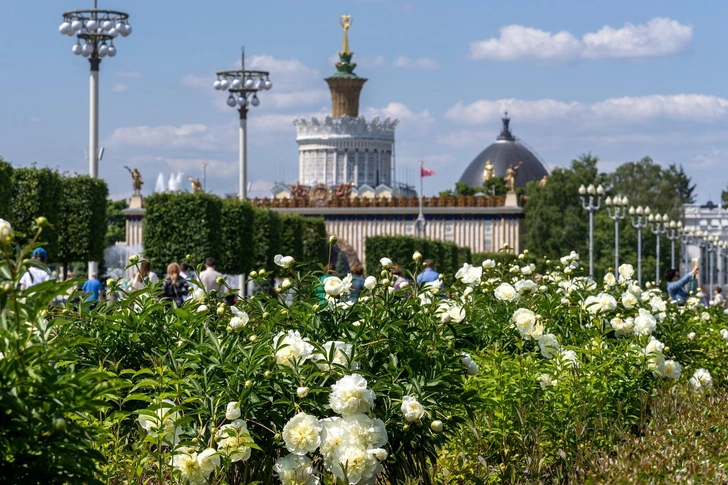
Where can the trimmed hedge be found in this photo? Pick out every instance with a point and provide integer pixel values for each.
(36, 192)
(448, 256)
(82, 232)
(236, 227)
(315, 242)
(292, 231)
(266, 237)
(6, 188)
(178, 224)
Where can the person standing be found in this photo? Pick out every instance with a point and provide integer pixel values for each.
(429, 274)
(36, 275)
(676, 284)
(209, 276)
(357, 281)
(175, 287)
(144, 277)
(399, 276)
(94, 289)
(718, 296)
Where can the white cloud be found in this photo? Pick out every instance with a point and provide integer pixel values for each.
(194, 81)
(191, 166)
(129, 74)
(191, 136)
(421, 63)
(119, 88)
(660, 36)
(680, 107)
(409, 121)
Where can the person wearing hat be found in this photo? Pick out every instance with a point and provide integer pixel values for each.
(36, 275)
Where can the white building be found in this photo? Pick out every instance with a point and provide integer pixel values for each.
(712, 219)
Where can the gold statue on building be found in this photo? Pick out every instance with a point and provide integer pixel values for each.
(511, 175)
(136, 180)
(489, 171)
(196, 184)
(346, 22)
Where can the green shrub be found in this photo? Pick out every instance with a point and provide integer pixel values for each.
(266, 239)
(6, 189)
(82, 231)
(37, 192)
(448, 256)
(315, 243)
(181, 224)
(236, 225)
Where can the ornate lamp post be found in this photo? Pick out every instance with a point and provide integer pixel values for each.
(95, 31)
(619, 213)
(711, 250)
(639, 221)
(687, 237)
(658, 226)
(591, 207)
(243, 86)
(673, 234)
(702, 239)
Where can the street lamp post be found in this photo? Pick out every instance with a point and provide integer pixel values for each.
(591, 207)
(95, 31)
(673, 234)
(658, 226)
(639, 221)
(687, 237)
(243, 86)
(620, 212)
(711, 252)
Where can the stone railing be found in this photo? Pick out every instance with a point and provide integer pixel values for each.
(448, 201)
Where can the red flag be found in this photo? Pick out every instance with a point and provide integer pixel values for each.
(426, 172)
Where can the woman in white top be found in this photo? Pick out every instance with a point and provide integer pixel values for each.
(144, 277)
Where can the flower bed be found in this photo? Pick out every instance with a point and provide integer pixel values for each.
(492, 374)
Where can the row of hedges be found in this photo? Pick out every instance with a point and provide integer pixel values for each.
(74, 206)
(240, 237)
(448, 256)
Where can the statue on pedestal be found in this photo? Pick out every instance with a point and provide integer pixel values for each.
(489, 171)
(511, 175)
(136, 178)
(196, 184)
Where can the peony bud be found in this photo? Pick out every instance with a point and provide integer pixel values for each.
(266, 315)
(370, 283)
(436, 426)
(285, 284)
(262, 272)
(253, 338)
(6, 232)
(416, 256)
(267, 374)
(110, 282)
(134, 259)
(333, 240)
(254, 274)
(220, 280)
(201, 308)
(302, 392)
(248, 384)
(42, 221)
(59, 424)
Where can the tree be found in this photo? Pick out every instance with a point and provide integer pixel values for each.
(115, 221)
(82, 230)
(724, 198)
(555, 221)
(492, 186)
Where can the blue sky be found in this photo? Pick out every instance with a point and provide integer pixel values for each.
(618, 79)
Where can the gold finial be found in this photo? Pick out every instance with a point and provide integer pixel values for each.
(346, 22)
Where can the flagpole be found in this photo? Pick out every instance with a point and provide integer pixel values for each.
(421, 217)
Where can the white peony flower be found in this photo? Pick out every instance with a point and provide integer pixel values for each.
(506, 292)
(705, 316)
(198, 294)
(342, 353)
(352, 464)
(285, 284)
(526, 287)
(626, 272)
(658, 304)
(6, 232)
(488, 263)
(469, 274)
(202, 308)
(283, 261)
(412, 409)
(386, 263)
(451, 311)
(525, 321)
(302, 391)
(549, 345)
(724, 334)
(672, 369)
(189, 467)
(350, 396)
(691, 336)
(644, 323)
(295, 470)
(528, 269)
(233, 411)
(568, 358)
(334, 286)
(610, 280)
(302, 434)
(161, 422)
(379, 453)
(239, 322)
(232, 439)
(621, 326)
(629, 300)
(655, 358)
(291, 348)
(701, 380)
(208, 460)
(546, 380)
(600, 303)
(370, 283)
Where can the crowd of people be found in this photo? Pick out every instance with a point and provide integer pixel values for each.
(181, 279)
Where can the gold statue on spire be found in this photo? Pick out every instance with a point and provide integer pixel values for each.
(489, 171)
(346, 22)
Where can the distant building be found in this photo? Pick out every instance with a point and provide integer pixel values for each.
(714, 220)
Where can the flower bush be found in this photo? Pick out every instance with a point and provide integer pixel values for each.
(496, 373)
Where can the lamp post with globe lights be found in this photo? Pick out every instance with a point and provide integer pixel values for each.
(658, 226)
(243, 86)
(95, 31)
(639, 221)
(619, 213)
(687, 237)
(591, 207)
(673, 234)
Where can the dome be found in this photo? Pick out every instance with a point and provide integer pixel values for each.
(505, 152)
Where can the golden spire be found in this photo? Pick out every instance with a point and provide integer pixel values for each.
(346, 22)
